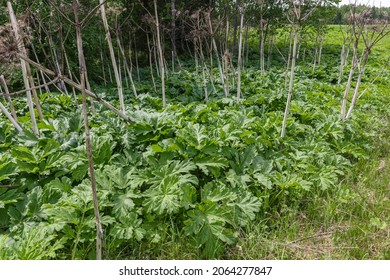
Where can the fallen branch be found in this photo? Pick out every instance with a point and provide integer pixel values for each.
(9, 116)
(77, 86)
(36, 87)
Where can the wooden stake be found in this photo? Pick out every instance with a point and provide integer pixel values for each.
(99, 230)
(160, 55)
(112, 54)
(8, 98)
(23, 63)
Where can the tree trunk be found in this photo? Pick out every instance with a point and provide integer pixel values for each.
(77, 86)
(126, 65)
(8, 97)
(102, 61)
(135, 57)
(160, 54)
(36, 58)
(235, 23)
(240, 55)
(261, 25)
(342, 63)
(173, 33)
(359, 79)
(320, 51)
(99, 230)
(203, 65)
(348, 86)
(246, 48)
(289, 53)
(112, 54)
(214, 46)
(9, 116)
(227, 27)
(22, 51)
(290, 90)
(151, 62)
(270, 48)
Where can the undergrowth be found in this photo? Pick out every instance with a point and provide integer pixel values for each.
(203, 179)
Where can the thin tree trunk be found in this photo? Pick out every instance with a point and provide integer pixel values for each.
(214, 45)
(61, 84)
(348, 86)
(270, 48)
(211, 73)
(102, 61)
(235, 23)
(290, 90)
(240, 56)
(112, 54)
(2, 94)
(99, 230)
(150, 62)
(359, 79)
(227, 27)
(9, 116)
(155, 55)
(315, 54)
(70, 75)
(246, 48)
(289, 53)
(22, 50)
(126, 65)
(77, 86)
(226, 57)
(160, 54)
(36, 58)
(262, 45)
(202, 60)
(8, 97)
(173, 33)
(39, 82)
(196, 59)
(320, 51)
(136, 58)
(342, 63)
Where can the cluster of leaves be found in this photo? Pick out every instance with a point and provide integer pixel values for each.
(204, 170)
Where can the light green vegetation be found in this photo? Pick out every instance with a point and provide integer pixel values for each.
(207, 180)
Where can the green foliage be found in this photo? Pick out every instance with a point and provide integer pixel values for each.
(195, 171)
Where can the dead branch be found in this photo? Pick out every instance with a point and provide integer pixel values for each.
(77, 86)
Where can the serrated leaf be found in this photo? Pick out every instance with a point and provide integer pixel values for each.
(210, 162)
(248, 205)
(79, 171)
(123, 204)
(128, 228)
(217, 191)
(6, 170)
(23, 154)
(165, 198)
(263, 179)
(33, 202)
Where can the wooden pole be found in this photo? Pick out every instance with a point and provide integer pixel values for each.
(99, 230)
(23, 63)
(78, 86)
(8, 97)
(112, 54)
(160, 55)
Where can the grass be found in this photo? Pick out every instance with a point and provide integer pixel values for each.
(350, 223)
